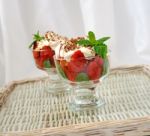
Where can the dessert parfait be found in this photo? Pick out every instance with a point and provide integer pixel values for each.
(43, 52)
(83, 62)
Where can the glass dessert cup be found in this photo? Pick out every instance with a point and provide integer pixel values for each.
(44, 61)
(84, 74)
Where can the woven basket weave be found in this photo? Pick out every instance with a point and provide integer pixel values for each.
(27, 109)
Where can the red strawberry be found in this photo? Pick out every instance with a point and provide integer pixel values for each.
(53, 52)
(70, 75)
(99, 60)
(94, 70)
(36, 54)
(39, 62)
(35, 45)
(52, 62)
(76, 66)
(46, 52)
(77, 63)
(63, 64)
(77, 55)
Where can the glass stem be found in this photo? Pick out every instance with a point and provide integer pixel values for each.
(85, 96)
(52, 75)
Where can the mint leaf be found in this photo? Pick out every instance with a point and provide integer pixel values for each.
(97, 49)
(91, 36)
(101, 40)
(101, 50)
(47, 64)
(98, 45)
(36, 37)
(31, 44)
(82, 77)
(84, 42)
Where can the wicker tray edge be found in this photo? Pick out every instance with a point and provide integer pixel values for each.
(108, 126)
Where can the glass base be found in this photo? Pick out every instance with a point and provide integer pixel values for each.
(82, 107)
(85, 99)
(56, 87)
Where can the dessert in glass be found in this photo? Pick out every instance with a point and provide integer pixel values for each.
(43, 51)
(83, 63)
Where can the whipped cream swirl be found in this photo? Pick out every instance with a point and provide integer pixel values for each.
(61, 53)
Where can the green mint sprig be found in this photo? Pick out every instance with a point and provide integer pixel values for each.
(36, 37)
(47, 64)
(98, 45)
(82, 77)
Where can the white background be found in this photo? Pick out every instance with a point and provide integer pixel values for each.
(126, 21)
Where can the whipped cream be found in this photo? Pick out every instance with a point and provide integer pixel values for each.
(61, 53)
(53, 44)
(88, 52)
(42, 43)
(52, 40)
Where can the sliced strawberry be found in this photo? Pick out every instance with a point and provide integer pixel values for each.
(76, 65)
(36, 54)
(39, 62)
(53, 52)
(52, 62)
(46, 52)
(99, 60)
(77, 55)
(70, 75)
(35, 45)
(94, 71)
(63, 64)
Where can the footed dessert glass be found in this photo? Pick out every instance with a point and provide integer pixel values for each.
(83, 74)
(44, 60)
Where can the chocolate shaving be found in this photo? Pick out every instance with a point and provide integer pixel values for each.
(72, 44)
(75, 40)
(51, 36)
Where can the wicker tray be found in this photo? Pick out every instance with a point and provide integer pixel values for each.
(26, 109)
